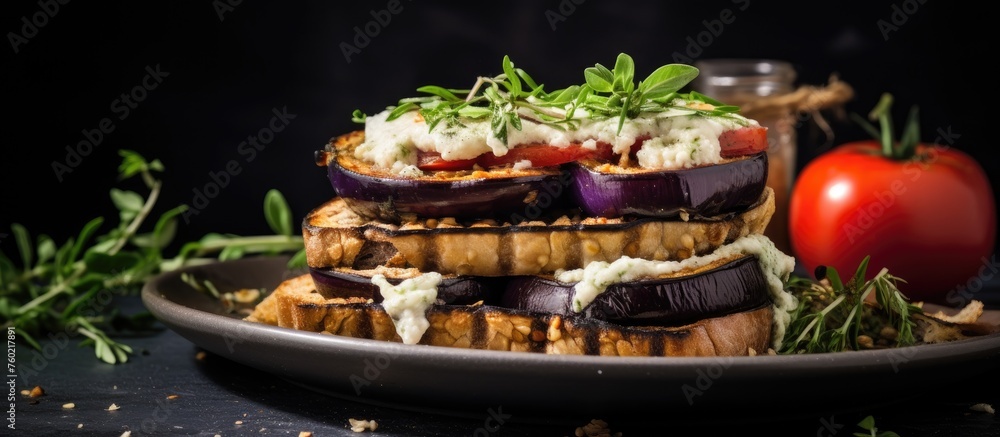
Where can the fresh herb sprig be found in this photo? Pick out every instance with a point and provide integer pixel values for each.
(68, 288)
(513, 95)
(833, 314)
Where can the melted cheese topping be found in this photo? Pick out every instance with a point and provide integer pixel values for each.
(407, 303)
(597, 276)
(679, 138)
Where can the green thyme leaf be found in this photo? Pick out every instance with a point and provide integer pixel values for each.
(358, 116)
(513, 82)
(277, 213)
(669, 79)
(440, 92)
(599, 78)
(624, 74)
(23, 241)
(401, 109)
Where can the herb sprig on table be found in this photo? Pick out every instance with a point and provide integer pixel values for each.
(513, 95)
(69, 288)
(835, 316)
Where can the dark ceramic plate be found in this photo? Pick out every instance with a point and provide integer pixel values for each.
(469, 382)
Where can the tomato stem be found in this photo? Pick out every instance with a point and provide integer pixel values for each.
(885, 135)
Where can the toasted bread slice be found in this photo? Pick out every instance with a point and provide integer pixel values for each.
(296, 304)
(337, 237)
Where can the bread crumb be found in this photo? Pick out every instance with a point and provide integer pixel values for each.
(69, 406)
(25, 392)
(306, 434)
(596, 428)
(200, 355)
(986, 408)
(751, 352)
(238, 422)
(362, 425)
(172, 397)
(126, 434)
(79, 426)
(970, 314)
(36, 391)
(114, 407)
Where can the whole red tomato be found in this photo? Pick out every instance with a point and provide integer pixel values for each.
(930, 218)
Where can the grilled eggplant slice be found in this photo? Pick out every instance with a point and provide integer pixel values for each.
(717, 289)
(335, 236)
(295, 304)
(501, 194)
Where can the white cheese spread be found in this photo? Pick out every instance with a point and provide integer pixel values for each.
(678, 138)
(597, 276)
(407, 303)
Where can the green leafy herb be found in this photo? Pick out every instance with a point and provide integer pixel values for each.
(513, 95)
(833, 315)
(868, 424)
(906, 147)
(69, 288)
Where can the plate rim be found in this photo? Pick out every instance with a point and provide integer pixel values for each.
(664, 370)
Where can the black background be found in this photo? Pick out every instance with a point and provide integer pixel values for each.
(227, 73)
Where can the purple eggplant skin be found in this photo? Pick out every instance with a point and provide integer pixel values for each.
(735, 286)
(700, 191)
(459, 290)
(501, 198)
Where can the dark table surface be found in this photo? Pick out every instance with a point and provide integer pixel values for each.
(171, 387)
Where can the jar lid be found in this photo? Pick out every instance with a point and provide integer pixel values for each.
(762, 76)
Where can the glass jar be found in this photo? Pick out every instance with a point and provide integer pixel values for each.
(743, 82)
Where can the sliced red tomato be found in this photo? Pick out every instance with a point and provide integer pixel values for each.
(743, 141)
(540, 155)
